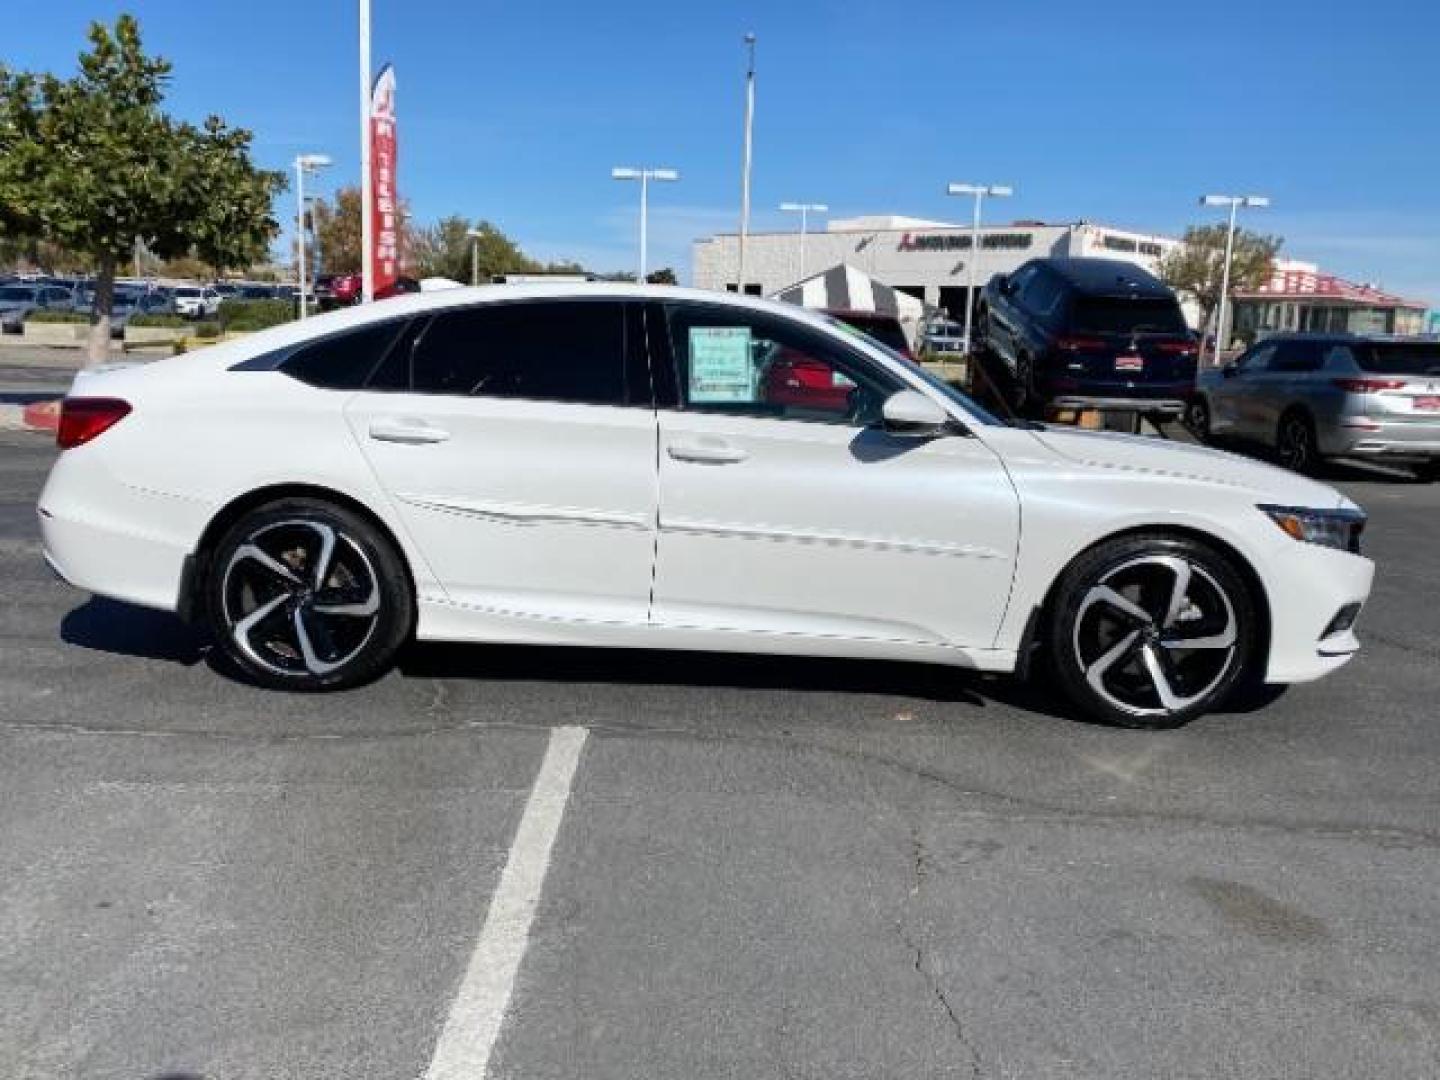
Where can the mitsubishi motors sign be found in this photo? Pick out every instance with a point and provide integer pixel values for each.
(385, 217)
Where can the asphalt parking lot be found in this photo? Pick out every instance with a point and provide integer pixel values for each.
(764, 868)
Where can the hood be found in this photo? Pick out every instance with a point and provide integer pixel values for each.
(1156, 456)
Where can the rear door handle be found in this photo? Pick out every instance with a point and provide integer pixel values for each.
(408, 432)
(709, 451)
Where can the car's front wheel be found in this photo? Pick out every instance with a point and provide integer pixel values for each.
(303, 594)
(1150, 631)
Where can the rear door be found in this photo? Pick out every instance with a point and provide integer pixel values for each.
(516, 441)
(1288, 380)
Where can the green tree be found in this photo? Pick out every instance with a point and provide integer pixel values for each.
(663, 276)
(446, 249)
(1197, 266)
(337, 231)
(92, 162)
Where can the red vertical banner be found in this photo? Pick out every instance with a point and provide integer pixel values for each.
(385, 207)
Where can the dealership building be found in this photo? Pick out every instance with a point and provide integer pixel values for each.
(930, 260)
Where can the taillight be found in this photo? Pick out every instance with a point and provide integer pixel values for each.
(1176, 348)
(1075, 344)
(1368, 386)
(82, 419)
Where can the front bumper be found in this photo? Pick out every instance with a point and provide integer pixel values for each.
(1306, 588)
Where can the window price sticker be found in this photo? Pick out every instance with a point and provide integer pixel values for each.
(721, 365)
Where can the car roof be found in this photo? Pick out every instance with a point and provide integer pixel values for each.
(422, 303)
(1107, 277)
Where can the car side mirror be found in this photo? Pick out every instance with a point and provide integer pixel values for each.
(1006, 286)
(1230, 370)
(911, 414)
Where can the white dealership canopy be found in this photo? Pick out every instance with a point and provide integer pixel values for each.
(845, 288)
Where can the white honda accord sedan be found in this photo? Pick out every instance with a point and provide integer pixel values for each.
(664, 468)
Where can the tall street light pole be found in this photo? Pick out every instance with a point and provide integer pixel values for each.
(367, 192)
(305, 163)
(745, 158)
(804, 210)
(644, 176)
(474, 235)
(979, 191)
(1234, 202)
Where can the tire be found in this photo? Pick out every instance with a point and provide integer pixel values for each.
(277, 626)
(1295, 443)
(1196, 418)
(1121, 616)
(1025, 401)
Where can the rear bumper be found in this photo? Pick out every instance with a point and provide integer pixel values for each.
(1365, 437)
(142, 570)
(1169, 406)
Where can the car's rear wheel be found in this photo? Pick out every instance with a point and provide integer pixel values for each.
(1196, 418)
(307, 595)
(1295, 443)
(1151, 631)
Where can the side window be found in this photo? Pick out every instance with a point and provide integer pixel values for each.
(751, 364)
(1020, 280)
(1296, 357)
(1258, 360)
(544, 350)
(1042, 295)
(344, 361)
(1340, 358)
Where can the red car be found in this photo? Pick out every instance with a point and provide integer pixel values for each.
(796, 381)
(345, 289)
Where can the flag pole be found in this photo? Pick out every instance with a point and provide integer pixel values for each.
(367, 193)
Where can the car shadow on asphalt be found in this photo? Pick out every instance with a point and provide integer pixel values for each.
(654, 667)
(113, 626)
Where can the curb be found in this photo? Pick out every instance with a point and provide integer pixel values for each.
(37, 416)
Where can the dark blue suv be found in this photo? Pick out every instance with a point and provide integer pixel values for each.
(1088, 334)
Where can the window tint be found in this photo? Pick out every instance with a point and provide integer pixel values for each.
(1128, 315)
(752, 364)
(1258, 360)
(1400, 357)
(1042, 295)
(883, 328)
(553, 350)
(1295, 357)
(344, 361)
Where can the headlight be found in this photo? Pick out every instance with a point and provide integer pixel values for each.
(1329, 528)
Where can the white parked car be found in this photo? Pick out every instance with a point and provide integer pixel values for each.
(654, 467)
(196, 302)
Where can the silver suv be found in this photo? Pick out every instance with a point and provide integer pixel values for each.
(1311, 396)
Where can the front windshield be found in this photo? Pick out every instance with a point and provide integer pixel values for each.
(964, 400)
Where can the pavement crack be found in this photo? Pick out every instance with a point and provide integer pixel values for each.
(932, 984)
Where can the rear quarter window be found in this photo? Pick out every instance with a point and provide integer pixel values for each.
(1399, 357)
(344, 361)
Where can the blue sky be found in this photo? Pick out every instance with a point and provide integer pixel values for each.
(1117, 112)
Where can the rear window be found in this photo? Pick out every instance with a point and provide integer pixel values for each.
(1399, 357)
(884, 330)
(1128, 315)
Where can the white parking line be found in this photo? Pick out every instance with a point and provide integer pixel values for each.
(463, 1052)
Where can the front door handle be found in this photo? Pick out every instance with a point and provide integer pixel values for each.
(707, 452)
(407, 432)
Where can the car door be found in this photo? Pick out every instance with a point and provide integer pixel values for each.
(1290, 381)
(785, 509)
(1233, 405)
(517, 442)
(1006, 320)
